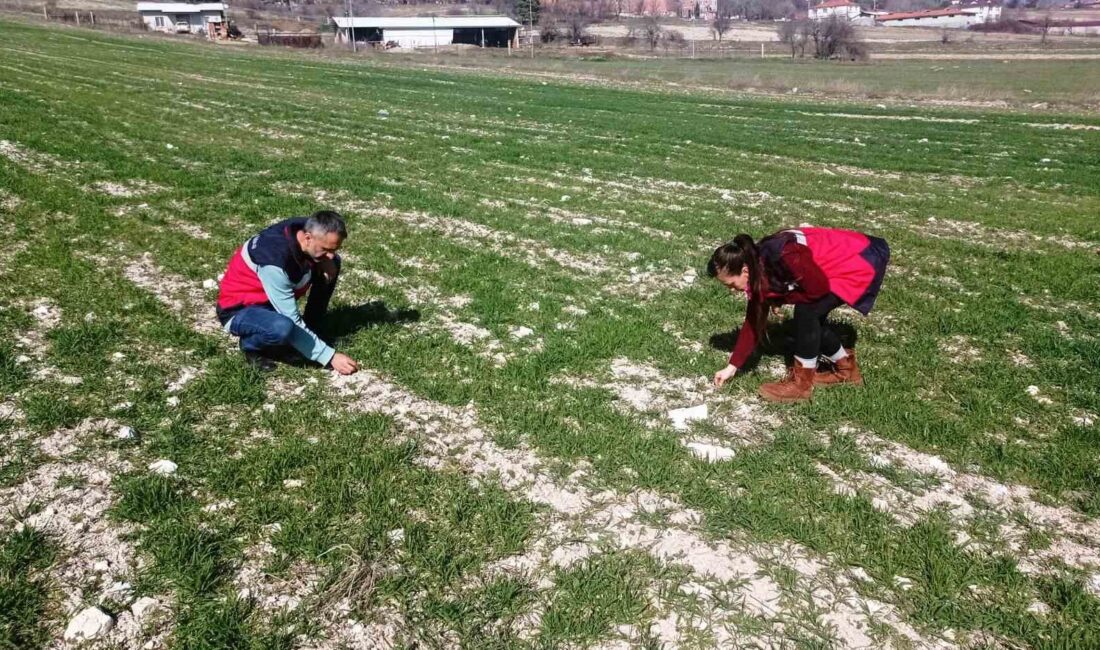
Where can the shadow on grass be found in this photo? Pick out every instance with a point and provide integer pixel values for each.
(344, 321)
(778, 341)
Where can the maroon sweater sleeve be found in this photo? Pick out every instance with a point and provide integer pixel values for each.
(811, 280)
(812, 285)
(746, 342)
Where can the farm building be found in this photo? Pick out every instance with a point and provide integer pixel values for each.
(207, 18)
(957, 17)
(430, 31)
(843, 10)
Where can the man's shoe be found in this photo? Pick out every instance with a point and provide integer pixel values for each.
(845, 371)
(286, 354)
(258, 361)
(797, 386)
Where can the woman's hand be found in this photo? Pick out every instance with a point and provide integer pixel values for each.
(723, 375)
(777, 311)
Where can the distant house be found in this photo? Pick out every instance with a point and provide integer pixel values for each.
(430, 31)
(957, 17)
(845, 9)
(206, 18)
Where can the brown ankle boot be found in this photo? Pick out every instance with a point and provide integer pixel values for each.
(846, 371)
(795, 387)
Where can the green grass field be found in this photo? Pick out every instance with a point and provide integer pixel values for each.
(523, 287)
(1004, 79)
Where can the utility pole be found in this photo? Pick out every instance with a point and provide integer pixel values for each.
(351, 24)
(531, 25)
(435, 37)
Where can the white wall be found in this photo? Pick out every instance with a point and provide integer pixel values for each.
(950, 22)
(196, 22)
(419, 37)
(850, 12)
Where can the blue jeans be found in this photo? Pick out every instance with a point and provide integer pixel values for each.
(261, 327)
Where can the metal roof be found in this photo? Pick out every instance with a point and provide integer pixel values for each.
(425, 22)
(930, 13)
(181, 7)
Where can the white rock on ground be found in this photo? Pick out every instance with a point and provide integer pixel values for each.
(710, 453)
(125, 433)
(144, 607)
(521, 332)
(681, 417)
(163, 467)
(90, 624)
(209, 284)
(117, 591)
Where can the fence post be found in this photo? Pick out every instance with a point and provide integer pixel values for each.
(45, 15)
(78, 19)
(93, 18)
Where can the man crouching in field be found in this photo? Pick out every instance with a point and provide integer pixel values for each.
(265, 277)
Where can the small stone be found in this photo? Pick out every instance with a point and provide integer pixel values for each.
(209, 284)
(521, 332)
(565, 197)
(163, 467)
(292, 483)
(90, 624)
(144, 607)
(169, 145)
(1039, 608)
(905, 584)
(270, 408)
(173, 401)
(710, 453)
(118, 591)
(125, 433)
(396, 536)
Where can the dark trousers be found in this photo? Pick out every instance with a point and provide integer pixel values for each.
(812, 337)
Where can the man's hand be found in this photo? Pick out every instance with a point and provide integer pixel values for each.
(723, 375)
(327, 269)
(343, 364)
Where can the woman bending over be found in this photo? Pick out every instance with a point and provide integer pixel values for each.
(816, 270)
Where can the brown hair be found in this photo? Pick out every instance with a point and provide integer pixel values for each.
(733, 256)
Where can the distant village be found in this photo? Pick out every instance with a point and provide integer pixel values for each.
(209, 19)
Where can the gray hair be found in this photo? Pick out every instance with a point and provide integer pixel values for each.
(324, 222)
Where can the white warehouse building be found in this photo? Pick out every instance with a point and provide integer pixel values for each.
(183, 17)
(430, 31)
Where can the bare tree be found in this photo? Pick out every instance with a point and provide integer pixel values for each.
(795, 34)
(836, 38)
(1044, 28)
(652, 31)
(568, 21)
(723, 19)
